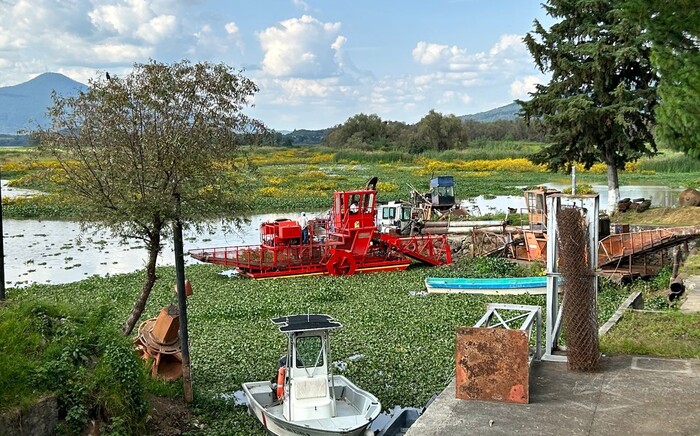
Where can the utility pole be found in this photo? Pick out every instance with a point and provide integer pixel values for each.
(182, 304)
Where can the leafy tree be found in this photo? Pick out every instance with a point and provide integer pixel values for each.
(673, 28)
(433, 132)
(302, 137)
(129, 145)
(436, 131)
(359, 131)
(598, 105)
(395, 131)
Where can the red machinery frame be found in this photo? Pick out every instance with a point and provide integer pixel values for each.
(346, 243)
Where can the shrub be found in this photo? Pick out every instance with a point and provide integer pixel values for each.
(91, 368)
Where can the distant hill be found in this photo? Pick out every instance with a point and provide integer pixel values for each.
(508, 112)
(14, 140)
(23, 106)
(304, 136)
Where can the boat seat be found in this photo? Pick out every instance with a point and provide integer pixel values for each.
(311, 399)
(310, 388)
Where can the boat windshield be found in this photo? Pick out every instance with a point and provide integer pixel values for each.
(309, 352)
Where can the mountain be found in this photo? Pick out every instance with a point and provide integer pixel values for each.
(23, 106)
(508, 112)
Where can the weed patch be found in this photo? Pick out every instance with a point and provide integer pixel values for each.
(53, 348)
(669, 334)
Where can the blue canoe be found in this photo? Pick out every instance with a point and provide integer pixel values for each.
(498, 286)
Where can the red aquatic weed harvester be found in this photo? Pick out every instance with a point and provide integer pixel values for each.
(348, 241)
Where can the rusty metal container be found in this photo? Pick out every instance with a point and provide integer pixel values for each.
(167, 325)
(158, 341)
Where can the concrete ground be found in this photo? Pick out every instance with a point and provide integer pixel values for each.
(692, 290)
(629, 396)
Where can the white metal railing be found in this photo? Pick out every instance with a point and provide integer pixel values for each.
(516, 317)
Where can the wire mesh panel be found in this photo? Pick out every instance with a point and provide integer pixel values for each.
(579, 301)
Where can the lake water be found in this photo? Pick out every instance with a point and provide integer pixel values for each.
(661, 196)
(60, 252)
(9, 191)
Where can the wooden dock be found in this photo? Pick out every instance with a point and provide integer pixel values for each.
(621, 256)
(616, 247)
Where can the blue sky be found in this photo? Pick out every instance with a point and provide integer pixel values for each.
(317, 63)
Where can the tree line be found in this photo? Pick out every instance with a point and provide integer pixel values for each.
(435, 131)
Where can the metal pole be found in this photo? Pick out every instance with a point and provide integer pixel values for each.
(573, 180)
(182, 304)
(2, 253)
(553, 318)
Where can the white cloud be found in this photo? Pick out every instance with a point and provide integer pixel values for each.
(508, 53)
(302, 62)
(456, 81)
(157, 28)
(122, 19)
(232, 29)
(234, 34)
(521, 88)
(508, 43)
(298, 89)
(301, 4)
(302, 47)
(86, 35)
(428, 54)
(338, 43)
(203, 32)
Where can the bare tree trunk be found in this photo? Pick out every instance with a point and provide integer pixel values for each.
(613, 189)
(140, 304)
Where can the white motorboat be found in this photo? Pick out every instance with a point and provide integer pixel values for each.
(308, 399)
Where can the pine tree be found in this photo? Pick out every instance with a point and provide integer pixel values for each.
(598, 105)
(673, 29)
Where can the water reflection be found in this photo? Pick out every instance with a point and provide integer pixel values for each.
(60, 252)
(661, 196)
(9, 191)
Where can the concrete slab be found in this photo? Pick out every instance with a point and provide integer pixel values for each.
(630, 396)
(692, 289)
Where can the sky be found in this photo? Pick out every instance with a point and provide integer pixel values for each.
(317, 63)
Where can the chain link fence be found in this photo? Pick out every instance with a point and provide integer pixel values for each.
(579, 299)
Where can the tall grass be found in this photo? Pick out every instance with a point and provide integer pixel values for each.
(670, 334)
(670, 162)
(477, 150)
(487, 150)
(358, 156)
